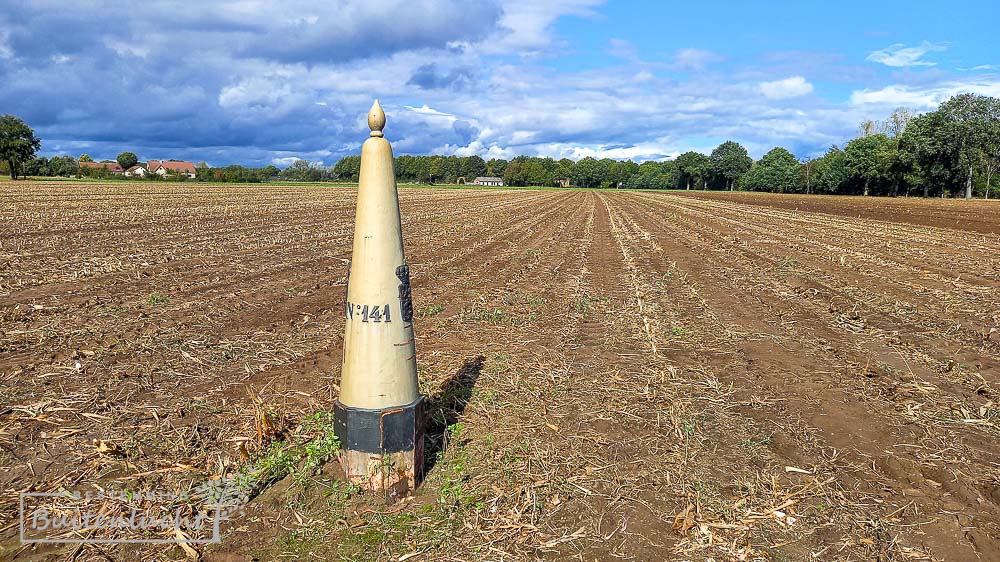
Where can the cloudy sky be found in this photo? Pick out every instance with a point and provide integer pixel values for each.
(258, 82)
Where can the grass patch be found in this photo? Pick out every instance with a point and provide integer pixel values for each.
(322, 448)
(431, 310)
(157, 299)
(493, 316)
(302, 455)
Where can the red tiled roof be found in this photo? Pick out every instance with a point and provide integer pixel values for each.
(187, 167)
(174, 166)
(112, 166)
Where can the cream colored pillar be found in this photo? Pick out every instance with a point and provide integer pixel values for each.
(379, 414)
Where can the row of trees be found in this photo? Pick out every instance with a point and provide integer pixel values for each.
(955, 148)
(425, 169)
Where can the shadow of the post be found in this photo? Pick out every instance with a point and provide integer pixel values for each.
(445, 408)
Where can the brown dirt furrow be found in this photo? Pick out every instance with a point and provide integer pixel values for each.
(804, 373)
(956, 262)
(974, 216)
(864, 250)
(932, 335)
(610, 375)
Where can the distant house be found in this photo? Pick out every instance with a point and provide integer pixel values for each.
(112, 167)
(164, 167)
(137, 171)
(561, 182)
(488, 181)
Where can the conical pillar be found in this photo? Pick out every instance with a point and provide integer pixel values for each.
(379, 414)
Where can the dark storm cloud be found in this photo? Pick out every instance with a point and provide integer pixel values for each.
(465, 131)
(336, 35)
(208, 75)
(428, 77)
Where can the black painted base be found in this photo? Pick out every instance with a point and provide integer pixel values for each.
(382, 449)
(386, 430)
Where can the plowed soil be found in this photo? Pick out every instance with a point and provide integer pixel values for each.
(978, 216)
(612, 375)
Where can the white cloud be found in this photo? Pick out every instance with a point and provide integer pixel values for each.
(5, 51)
(424, 110)
(126, 49)
(695, 59)
(622, 49)
(527, 23)
(639, 152)
(285, 161)
(926, 97)
(900, 55)
(643, 76)
(793, 87)
(255, 92)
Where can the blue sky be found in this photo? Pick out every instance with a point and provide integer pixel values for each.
(258, 82)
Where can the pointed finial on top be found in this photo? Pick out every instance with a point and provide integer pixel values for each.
(376, 119)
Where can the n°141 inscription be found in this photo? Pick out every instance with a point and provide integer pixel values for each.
(368, 313)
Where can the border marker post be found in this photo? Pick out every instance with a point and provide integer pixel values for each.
(379, 415)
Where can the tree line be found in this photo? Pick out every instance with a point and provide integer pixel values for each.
(953, 149)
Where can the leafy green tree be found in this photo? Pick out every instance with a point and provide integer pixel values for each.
(472, 167)
(85, 158)
(526, 170)
(926, 156)
(496, 167)
(807, 173)
(127, 159)
(730, 161)
(300, 170)
(693, 167)
(589, 172)
(944, 148)
(349, 168)
(991, 162)
(537, 173)
(653, 175)
(564, 168)
(266, 173)
(970, 121)
(777, 171)
(36, 167)
(513, 174)
(55, 166)
(18, 143)
(830, 174)
(869, 159)
(436, 169)
(620, 172)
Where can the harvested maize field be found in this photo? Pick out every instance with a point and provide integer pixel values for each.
(610, 375)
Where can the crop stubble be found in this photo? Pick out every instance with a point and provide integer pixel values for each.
(821, 385)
